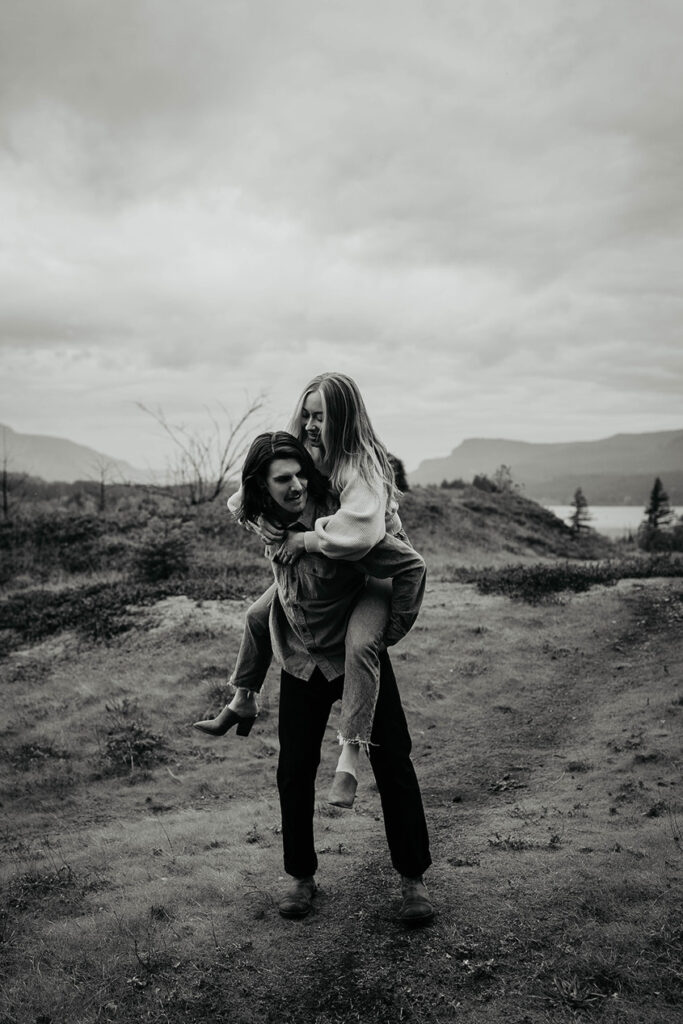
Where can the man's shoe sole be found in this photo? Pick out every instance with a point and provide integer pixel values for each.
(294, 913)
(416, 922)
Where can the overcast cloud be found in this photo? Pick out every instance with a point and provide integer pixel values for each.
(474, 208)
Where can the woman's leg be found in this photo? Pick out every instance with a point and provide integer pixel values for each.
(364, 641)
(255, 653)
(304, 710)
(253, 661)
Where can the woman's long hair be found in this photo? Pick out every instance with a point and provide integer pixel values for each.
(263, 450)
(350, 445)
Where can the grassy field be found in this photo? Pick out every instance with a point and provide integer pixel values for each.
(142, 861)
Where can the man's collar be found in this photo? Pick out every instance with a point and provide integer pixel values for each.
(313, 510)
(308, 516)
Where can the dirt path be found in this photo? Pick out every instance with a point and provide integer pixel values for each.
(548, 744)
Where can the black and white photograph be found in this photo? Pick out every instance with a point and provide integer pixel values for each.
(341, 527)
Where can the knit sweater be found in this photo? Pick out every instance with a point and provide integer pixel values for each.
(360, 522)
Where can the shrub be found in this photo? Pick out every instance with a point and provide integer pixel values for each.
(535, 583)
(50, 542)
(128, 743)
(655, 538)
(95, 612)
(101, 612)
(483, 483)
(161, 558)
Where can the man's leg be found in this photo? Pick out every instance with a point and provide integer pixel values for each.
(304, 710)
(404, 818)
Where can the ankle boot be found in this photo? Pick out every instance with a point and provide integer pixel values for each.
(299, 900)
(416, 908)
(219, 725)
(343, 790)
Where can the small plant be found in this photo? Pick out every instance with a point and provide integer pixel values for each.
(31, 755)
(59, 885)
(483, 483)
(162, 557)
(128, 743)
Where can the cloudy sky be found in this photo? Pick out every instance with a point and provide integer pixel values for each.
(474, 207)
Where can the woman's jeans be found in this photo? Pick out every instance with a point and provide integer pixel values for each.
(364, 641)
(304, 710)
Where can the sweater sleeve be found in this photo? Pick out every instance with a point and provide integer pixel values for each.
(356, 527)
(235, 502)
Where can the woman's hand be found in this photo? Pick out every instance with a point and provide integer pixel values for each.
(268, 533)
(291, 549)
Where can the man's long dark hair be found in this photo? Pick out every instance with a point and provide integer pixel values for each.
(264, 449)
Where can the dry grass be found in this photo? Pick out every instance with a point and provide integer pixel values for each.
(142, 862)
(547, 741)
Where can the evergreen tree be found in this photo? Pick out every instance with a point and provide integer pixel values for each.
(659, 511)
(580, 517)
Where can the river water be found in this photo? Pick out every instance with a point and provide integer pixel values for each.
(612, 520)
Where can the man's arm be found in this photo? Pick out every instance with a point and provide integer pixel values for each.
(396, 560)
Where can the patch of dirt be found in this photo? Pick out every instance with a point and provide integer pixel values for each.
(547, 741)
(176, 612)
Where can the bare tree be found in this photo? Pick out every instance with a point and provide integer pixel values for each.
(107, 471)
(10, 483)
(205, 460)
(504, 481)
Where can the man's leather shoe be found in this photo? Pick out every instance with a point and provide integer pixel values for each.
(299, 900)
(416, 908)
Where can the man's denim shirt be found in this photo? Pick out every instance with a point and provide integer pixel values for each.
(315, 596)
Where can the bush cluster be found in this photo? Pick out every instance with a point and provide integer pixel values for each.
(100, 612)
(50, 542)
(161, 558)
(653, 538)
(128, 743)
(536, 583)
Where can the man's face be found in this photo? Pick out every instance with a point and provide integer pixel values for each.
(286, 486)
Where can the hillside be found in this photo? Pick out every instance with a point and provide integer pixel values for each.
(475, 527)
(47, 537)
(614, 471)
(623, 465)
(55, 458)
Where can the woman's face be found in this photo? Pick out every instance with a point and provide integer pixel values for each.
(286, 486)
(312, 418)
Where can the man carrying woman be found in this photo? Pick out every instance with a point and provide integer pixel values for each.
(309, 611)
(331, 421)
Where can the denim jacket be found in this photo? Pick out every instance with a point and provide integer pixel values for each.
(315, 596)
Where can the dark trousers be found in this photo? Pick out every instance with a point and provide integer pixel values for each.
(305, 707)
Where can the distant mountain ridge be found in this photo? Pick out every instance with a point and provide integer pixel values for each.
(615, 470)
(56, 459)
(617, 466)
